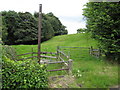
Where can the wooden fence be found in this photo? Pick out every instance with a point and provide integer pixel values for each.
(64, 59)
(60, 57)
(52, 58)
(42, 56)
(95, 52)
(92, 51)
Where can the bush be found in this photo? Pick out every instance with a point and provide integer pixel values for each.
(9, 52)
(23, 74)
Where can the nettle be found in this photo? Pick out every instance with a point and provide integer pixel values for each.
(23, 74)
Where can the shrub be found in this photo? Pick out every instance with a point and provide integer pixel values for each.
(9, 52)
(23, 74)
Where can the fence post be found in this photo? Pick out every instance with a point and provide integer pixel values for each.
(91, 50)
(68, 54)
(70, 66)
(58, 52)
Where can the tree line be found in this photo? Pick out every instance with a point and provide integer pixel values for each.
(22, 28)
(103, 21)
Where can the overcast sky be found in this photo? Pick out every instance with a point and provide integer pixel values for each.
(68, 11)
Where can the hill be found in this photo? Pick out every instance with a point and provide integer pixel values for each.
(74, 40)
(88, 71)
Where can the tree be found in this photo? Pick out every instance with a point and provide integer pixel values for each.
(81, 30)
(59, 29)
(10, 23)
(47, 30)
(26, 31)
(0, 28)
(22, 28)
(103, 21)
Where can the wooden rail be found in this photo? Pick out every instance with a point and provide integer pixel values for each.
(69, 67)
(27, 53)
(48, 53)
(37, 56)
(43, 56)
(57, 62)
(73, 47)
(58, 69)
(63, 53)
(37, 53)
(27, 58)
(63, 61)
(59, 53)
(95, 52)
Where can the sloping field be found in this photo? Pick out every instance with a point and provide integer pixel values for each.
(88, 71)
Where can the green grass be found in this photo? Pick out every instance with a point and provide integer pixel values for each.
(74, 40)
(88, 71)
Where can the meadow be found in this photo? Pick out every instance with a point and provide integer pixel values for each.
(87, 71)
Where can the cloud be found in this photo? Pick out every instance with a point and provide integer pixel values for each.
(72, 18)
(73, 26)
(68, 11)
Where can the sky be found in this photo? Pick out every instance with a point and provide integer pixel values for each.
(69, 12)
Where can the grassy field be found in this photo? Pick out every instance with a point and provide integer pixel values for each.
(88, 71)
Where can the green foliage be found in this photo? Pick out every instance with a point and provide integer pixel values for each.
(81, 30)
(10, 23)
(9, 52)
(27, 28)
(59, 29)
(47, 31)
(103, 21)
(22, 28)
(23, 74)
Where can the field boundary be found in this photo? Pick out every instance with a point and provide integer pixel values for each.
(60, 57)
(48, 59)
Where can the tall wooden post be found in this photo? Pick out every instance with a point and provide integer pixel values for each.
(70, 66)
(39, 31)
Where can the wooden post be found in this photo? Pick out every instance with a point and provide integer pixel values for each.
(68, 54)
(91, 50)
(57, 52)
(70, 66)
(39, 31)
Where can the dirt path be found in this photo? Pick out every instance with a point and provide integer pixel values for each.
(66, 81)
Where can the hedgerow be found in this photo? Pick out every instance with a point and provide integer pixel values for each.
(23, 74)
